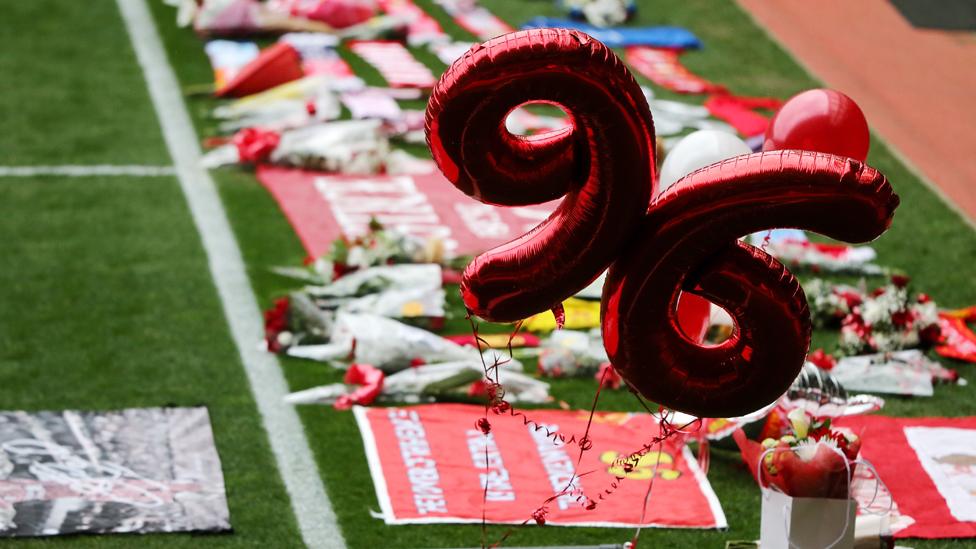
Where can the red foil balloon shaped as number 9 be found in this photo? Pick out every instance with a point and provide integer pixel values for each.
(684, 243)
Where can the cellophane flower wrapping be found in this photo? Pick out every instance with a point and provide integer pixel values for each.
(813, 461)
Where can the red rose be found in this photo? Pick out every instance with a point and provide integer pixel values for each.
(275, 322)
(902, 319)
(255, 145)
(852, 299)
(822, 360)
(930, 335)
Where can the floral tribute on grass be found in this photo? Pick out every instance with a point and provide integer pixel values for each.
(888, 318)
(810, 459)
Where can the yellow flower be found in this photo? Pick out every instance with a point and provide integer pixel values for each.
(800, 421)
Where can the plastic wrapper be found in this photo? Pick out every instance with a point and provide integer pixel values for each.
(409, 292)
(570, 353)
(355, 146)
(387, 344)
(403, 303)
(813, 460)
(302, 90)
(282, 114)
(348, 146)
(384, 277)
(820, 393)
(400, 162)
(794, 249)
(450, 381)
(307, 322)
(673, 118)
(813, 470)
(899, 373)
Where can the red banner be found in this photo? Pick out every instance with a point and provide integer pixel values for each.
(958, 341)
(431, 464)
(663, 67)
(321, 207)
(395, 62)
(929, 465)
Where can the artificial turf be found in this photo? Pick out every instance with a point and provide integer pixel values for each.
(108, 304)
(107, 300)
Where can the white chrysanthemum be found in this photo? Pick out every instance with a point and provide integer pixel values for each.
(807, 449)
(884, 342)
(836, 302)
(874, 311)
(849, 338)
(285, 339)
(925, 314)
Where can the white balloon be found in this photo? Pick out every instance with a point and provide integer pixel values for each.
(697, 150)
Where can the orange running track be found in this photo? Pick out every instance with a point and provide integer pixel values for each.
(917, 87)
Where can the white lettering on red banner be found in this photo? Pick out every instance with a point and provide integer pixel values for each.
(485, 455)
(428, 496)
(558, 465)
(394, 202)
(508, 475)
(323, 207)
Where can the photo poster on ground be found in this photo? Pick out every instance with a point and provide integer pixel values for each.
(138, 470)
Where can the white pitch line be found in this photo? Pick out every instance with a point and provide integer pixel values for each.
(316, 518)
(70, 170)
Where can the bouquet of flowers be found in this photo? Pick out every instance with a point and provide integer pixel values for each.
(379, 246)
(812, 460)
(572, 353)
(886, 319)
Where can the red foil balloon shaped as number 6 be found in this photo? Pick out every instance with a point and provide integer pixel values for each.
(685, 241)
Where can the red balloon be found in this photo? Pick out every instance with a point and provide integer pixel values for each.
(603, 164)
(668, 261)
(688, 243)
(820, 120)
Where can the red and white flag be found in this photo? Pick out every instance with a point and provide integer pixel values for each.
(929, 466)
(323, 207)
(395, 62)
(432, 464)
